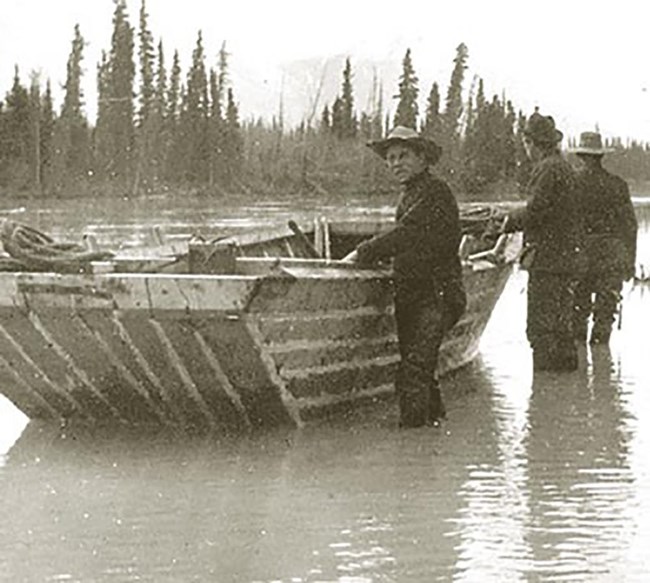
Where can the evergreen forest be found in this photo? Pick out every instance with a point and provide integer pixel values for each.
(160, 129)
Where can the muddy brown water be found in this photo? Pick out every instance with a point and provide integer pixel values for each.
(543, 478)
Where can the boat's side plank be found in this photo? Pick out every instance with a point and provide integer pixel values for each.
(335, 325)
(68, 337)
(125, 291)
(325, 352)
(139, 376)
(17, 362)
(43, 365)
(22, 395)
(154, 354)
(319, 292)
(329, 355)
(233, 344)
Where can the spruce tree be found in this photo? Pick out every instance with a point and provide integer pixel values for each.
(146, 58)
(145, 127)
(15, 135)
(171, 163)
(174, 90)
(432, 121)
(344, 125)
(407, 105)
(159, 129)
(194, 118)
(36, 119)
(218, 85)
(349, 129)
(101, 133)
(216, 130)
(338, 122)
(71, 129)
(233, 143)
(325, 122)
(115, 122)
(47, 135)
(378, 114)
(454, 100)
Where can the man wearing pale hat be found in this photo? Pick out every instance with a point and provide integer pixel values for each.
(553, 247)
(610, 241)
(429, 294)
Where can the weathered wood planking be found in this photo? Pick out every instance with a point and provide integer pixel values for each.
(274, 342)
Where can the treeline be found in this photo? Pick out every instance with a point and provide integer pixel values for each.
(155, 129)
(159, 129)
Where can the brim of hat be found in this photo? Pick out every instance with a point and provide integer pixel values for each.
(429, 148)
(592, 151)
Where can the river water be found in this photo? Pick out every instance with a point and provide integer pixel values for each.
(543, 478)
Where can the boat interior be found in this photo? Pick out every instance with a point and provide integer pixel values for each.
(313, 243)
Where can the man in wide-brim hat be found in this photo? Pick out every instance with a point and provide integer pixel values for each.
(591, 144)
(610, 241)
(429, 149)
(423, 244)
(553, 246)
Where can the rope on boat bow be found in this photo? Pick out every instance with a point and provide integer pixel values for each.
(32, 250)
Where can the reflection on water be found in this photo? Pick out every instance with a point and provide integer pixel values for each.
(531, 478)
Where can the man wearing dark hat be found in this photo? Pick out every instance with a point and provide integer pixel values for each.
(552, 252)
(610, 241)
(429, 294)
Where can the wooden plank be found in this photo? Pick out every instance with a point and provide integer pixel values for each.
(21, 394)
(277, 383)
(109, 330)
(153, 358)
(238, 348)
(23, 366)
(179, 292)
(205, 377)
(180, 366)
(368, 322)
(314, 266)
(72, 340)
(321, 405)
(138, 403)
(9, 296)
(341, 378)
(309, 294)
(143, 370)
(66, 292)
(222, 379)
(53, 367)
(302, 354)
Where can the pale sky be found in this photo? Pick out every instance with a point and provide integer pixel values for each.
(584, 62)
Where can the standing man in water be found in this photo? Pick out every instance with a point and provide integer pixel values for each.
(429, 294)
(552, 252)
(610, 241)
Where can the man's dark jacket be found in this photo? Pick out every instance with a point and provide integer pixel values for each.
(609, 220)
(551, 219)
(424, 243)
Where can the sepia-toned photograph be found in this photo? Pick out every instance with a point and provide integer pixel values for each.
(337, 292)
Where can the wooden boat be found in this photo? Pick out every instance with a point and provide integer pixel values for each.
(256, 329)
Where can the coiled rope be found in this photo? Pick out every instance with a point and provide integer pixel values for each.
(32, 250)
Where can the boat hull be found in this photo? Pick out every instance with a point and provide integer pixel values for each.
(212, 351)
